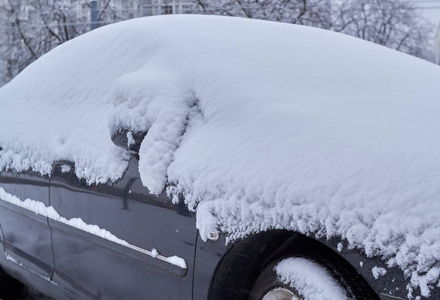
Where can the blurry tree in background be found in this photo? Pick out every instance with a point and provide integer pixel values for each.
(392, 23)
(305, 12)
(33, 29)
(30, 28)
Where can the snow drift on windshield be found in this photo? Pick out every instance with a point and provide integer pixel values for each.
(259, 125)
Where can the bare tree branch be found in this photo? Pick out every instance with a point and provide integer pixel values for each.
(25, 40)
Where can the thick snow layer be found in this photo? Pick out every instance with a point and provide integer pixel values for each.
(259, 125)
(312, 281)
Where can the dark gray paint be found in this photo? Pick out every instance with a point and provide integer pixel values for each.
(33, 248)
(99, 268)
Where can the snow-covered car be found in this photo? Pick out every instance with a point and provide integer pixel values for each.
(200, 157)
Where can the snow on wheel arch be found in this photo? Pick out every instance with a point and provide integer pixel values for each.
(311, 280)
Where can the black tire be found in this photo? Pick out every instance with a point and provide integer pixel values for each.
(10, 287)
(269, 284)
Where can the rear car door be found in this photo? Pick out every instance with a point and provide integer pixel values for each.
(117, 241)
(25, 233)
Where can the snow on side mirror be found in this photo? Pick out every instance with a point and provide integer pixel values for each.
(128, 139)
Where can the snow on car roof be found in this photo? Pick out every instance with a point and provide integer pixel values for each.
(259, 125)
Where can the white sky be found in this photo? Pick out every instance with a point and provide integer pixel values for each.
(430, 9)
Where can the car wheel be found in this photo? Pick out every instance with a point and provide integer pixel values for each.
(11, 287)
(299, 278)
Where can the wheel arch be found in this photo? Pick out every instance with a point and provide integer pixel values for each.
(240, 267)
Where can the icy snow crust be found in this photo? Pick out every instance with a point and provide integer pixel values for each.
(259, 125)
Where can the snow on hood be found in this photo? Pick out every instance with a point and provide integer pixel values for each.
(260, 125)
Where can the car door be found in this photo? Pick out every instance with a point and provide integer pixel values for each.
(26, 234)
(144, 246)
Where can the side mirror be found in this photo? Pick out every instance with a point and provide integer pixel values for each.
(128, 139)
